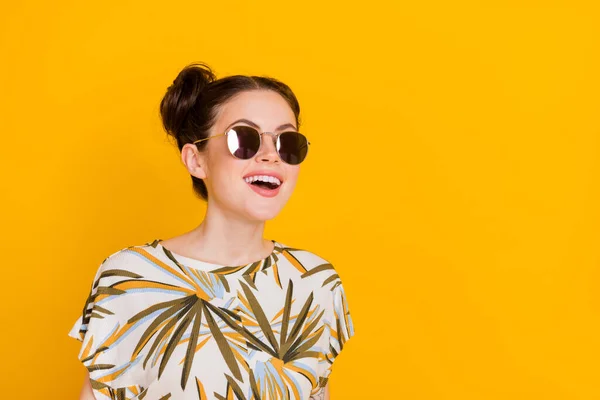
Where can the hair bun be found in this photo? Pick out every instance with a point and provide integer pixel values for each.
(182, 95)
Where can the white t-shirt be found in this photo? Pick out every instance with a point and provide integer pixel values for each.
(158, 325)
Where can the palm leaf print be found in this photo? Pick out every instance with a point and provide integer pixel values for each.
(191, 349)
(98, 293)
(175, 321)
(88, 357)
(344, 328)
(267, 330)
(126, 393)
(224, 346)
(273, 376)
(268, 264)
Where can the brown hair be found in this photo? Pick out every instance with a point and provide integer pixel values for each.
(191, 104)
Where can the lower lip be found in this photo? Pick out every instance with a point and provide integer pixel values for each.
(264, 192)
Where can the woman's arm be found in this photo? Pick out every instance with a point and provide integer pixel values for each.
(86, 390)
(322, 394)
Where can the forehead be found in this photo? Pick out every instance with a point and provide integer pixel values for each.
(266, 108)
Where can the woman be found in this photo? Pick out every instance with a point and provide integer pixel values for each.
(219, 312)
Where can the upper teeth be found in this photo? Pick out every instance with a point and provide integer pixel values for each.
(264, 178)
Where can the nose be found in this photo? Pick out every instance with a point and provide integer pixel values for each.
(268, 149)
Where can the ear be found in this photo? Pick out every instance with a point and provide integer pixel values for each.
(194, 160)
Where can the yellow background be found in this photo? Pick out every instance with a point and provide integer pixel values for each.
(452, 180)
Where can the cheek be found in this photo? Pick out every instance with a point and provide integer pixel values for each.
(224, 170)
(230, 174)
(292, 175)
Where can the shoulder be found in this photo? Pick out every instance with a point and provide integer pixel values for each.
(127, 258)
(311, 265)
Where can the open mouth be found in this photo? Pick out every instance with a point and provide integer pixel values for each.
(263, 184)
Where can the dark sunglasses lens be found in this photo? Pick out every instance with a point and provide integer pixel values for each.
(293, 147)
(243, 142)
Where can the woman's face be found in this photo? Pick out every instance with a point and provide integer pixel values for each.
(224, 174)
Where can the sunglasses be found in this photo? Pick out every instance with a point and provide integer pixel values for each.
(245, 141)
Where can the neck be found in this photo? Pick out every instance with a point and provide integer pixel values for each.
(226, 239)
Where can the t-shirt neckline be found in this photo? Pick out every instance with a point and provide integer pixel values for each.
(209, 266)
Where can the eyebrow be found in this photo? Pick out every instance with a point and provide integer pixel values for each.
(254, 125)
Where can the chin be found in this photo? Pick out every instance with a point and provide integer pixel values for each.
(265, 215)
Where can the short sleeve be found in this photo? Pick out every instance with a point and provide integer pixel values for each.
(340, 324)
(99, 329)
(80, 327)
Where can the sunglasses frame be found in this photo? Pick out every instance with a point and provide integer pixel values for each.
(274, 136)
